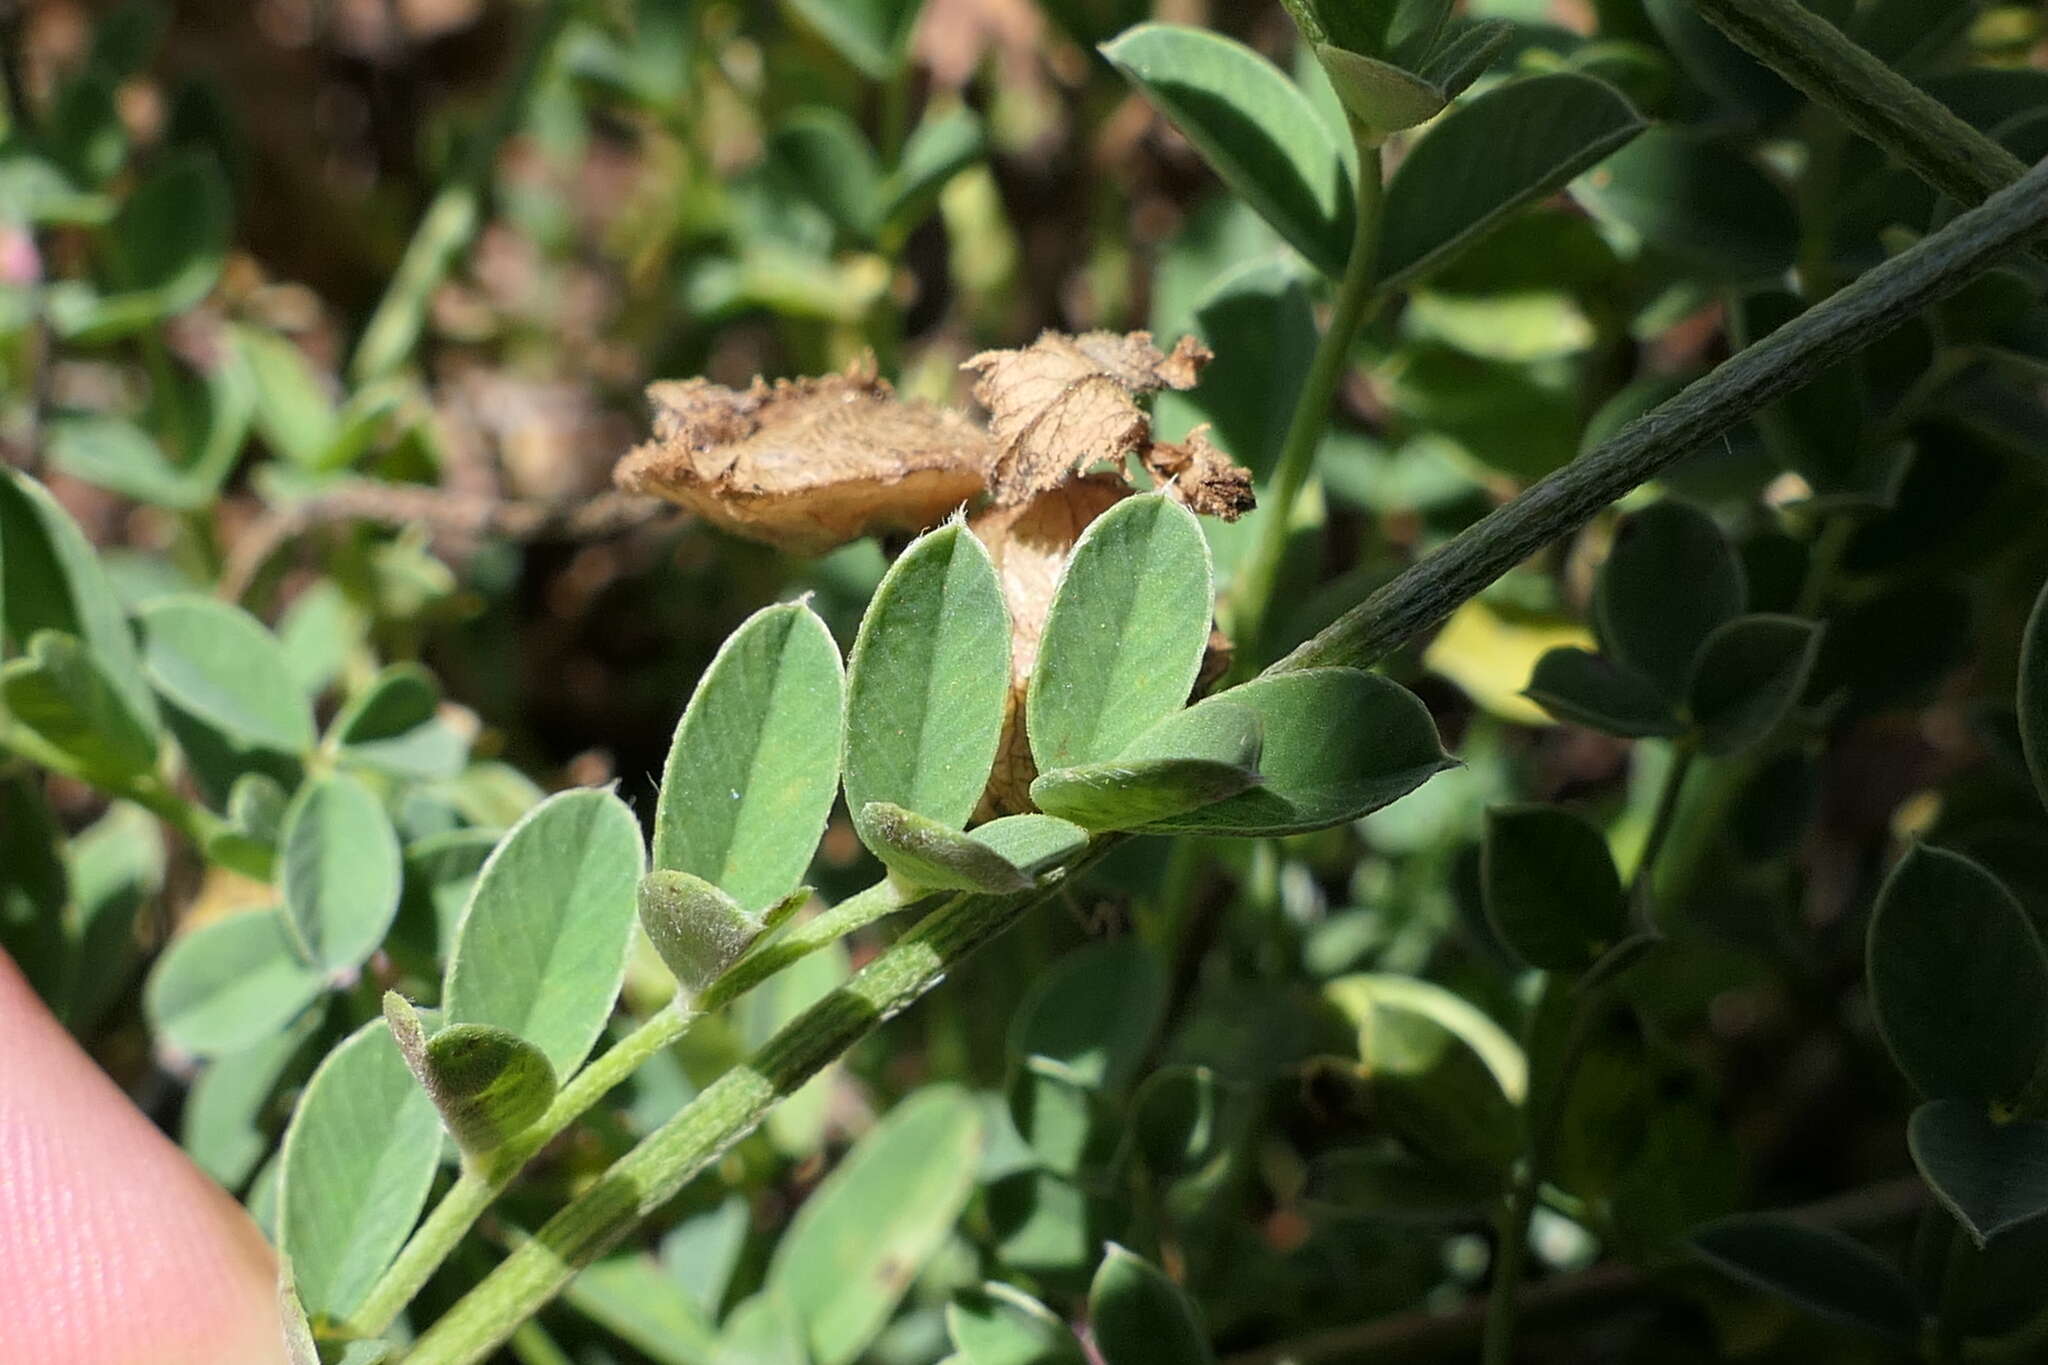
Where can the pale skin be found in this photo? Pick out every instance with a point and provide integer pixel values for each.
(119, 1251)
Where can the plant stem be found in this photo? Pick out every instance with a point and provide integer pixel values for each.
(1952, 1314)
(1357, 298)
(649, 1175)
(479, 1184)
(452, 216)
(1870, 97)
(1640, 881)
(1548, 1095)
(1874, 305)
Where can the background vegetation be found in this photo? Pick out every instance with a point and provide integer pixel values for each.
(322, 326)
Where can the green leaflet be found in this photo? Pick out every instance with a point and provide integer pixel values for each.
(926, 683)
(1749, 674)
(1253, 126)
(69, 714)
(230, 983)
(1191, 759)
(358, 1159)
(1140, 1317)
(1338, 744)
(1993, 1176)
(865, 1233)
(339, 864)
(1669, 581)
(1124, 636)
(1498, 153)
(1550, 888)
(51, 579)
(1958, 979)
(755, 763)
(541, 948)
(1591, 689)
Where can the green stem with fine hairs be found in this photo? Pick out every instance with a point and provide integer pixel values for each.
(1358, 296)
(1869, 96)
(481, 1183)
(1877, 303)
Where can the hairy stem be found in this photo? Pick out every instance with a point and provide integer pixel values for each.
(452, 216)
(481, 1182)
(1357, 298)
(1877, 303)
(1869, 96)
(649, 1175)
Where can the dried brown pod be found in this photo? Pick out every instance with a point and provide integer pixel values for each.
(807, 464)
(1065, 403)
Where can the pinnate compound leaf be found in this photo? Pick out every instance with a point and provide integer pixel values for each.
(1749, 674)
(218, 664)
(926, 682)
(489, 1085)
(1138, 1316)
(358, 1160)
(1508, 148)
(1992, 1176)
(69, 714)
(1670, 579)
(1593, 690)
(230, 983)
(541, 948)
(1817, 1268)
(1191, 759)
(867, 1231)
(1958, 979)
(1338, 744)
(925, 854)
(2033, 694)
(632, 1296)
(51, 579)
(697, 929)
(340, 871)
(999, 1324)
(755, 762)
(1550, 888)
(1124, 638)
(1253, 126)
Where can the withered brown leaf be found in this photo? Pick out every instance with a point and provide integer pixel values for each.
(1064, 403)
(807, 464)
(1201, 477)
